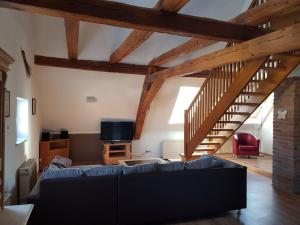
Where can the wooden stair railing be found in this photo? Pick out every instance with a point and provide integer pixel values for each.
(228, 97)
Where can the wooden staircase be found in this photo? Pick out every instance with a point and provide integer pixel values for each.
(228, 97)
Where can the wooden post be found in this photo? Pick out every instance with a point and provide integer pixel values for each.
(5, 61)
(2, 136)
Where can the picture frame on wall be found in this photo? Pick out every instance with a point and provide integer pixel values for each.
(7, 103)
(33, 106)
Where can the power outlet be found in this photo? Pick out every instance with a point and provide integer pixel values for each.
(147, 151)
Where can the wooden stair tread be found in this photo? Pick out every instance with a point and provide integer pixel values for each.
(235, 122)
(205, 149)
(286, 57)
(255, 81)
(263, 82)
(238, 113)
(258, 93)
(246, 103)
(275, 69)
(210, 143)
(279, 66)
(222, 129)
(216, 136)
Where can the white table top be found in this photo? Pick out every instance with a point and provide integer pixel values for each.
(142, 161)
(15, 214)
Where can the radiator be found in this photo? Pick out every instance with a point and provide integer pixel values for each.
(27, 177)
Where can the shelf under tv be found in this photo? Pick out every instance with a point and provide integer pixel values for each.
(113, 152)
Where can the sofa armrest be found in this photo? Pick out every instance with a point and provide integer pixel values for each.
(257, 144)
(34, 195)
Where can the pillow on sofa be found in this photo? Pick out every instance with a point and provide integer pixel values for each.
(54, 172)
(103, 171)
(172, 166)
(51, 167)
(202, 163)
(62, 162)
(222, 163)
(141, 168)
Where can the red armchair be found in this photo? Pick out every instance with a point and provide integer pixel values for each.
(245, 144)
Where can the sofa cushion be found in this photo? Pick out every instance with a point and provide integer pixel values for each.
(103, 171)
(62, 162)
(172, 166)
(140, 168)
(247, 148)
(52, 172)
(202, 163)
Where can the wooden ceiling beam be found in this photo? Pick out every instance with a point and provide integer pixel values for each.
(129, 16)
(254, 16)
(149, 91)
(92, 65)
(276, 42)
(138, 37)
(102, 66)
(72, 35)
(285, 39)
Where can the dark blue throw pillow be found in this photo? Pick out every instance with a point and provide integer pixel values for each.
(52, 173)
(204, 162)
(103, 171)
(141, 168)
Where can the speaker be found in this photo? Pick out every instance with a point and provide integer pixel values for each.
(45, 136)
(64, 134)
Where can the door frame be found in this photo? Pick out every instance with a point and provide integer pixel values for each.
(5, 61)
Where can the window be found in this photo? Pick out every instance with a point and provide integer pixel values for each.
(183, 101)
(22, 120)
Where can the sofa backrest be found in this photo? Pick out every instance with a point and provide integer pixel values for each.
(178, 195)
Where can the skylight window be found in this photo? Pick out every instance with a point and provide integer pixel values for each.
(22, 120)
(183, 101)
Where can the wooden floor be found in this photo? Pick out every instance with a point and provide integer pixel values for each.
(261, 164)
(266, 206)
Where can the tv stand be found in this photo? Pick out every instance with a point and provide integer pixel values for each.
(113, 152)
(116, 142)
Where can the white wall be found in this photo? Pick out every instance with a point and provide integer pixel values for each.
(63, 103)
(16, 32)
(63, 95)
(266, 137)
(157, 127)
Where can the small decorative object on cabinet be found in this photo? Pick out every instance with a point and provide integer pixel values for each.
(50, 149)
(113, 152)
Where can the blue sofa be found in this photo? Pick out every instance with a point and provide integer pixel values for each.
(140, 198)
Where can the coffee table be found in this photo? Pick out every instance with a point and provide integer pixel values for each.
(132, 162)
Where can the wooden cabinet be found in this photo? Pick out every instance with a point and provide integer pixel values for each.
(113, 152)
(50, 149)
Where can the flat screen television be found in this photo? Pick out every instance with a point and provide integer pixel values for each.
(117, 130)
